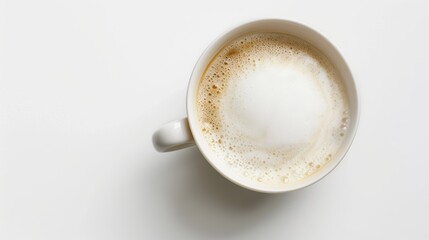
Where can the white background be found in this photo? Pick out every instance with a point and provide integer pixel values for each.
(83, 85)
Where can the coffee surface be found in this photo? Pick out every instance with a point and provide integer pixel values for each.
(272, 108)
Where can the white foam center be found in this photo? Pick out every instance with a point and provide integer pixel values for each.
(277, 104)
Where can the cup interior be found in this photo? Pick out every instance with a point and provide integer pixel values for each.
(306, 34)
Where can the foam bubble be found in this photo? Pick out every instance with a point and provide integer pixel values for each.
(272, 108)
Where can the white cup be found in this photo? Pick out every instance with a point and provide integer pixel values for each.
(186, 132)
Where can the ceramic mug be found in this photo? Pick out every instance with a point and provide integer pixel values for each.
(186, 132)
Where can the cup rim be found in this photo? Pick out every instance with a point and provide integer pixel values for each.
(193, 123)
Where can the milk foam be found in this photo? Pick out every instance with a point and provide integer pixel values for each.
(272, 108)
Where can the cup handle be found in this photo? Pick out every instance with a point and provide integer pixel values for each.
(173, 136)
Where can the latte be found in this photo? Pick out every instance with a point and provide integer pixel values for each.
(272, 108)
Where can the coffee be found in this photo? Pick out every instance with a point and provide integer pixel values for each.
(272, 108)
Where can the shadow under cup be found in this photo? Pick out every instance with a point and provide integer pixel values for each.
(305, 33)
